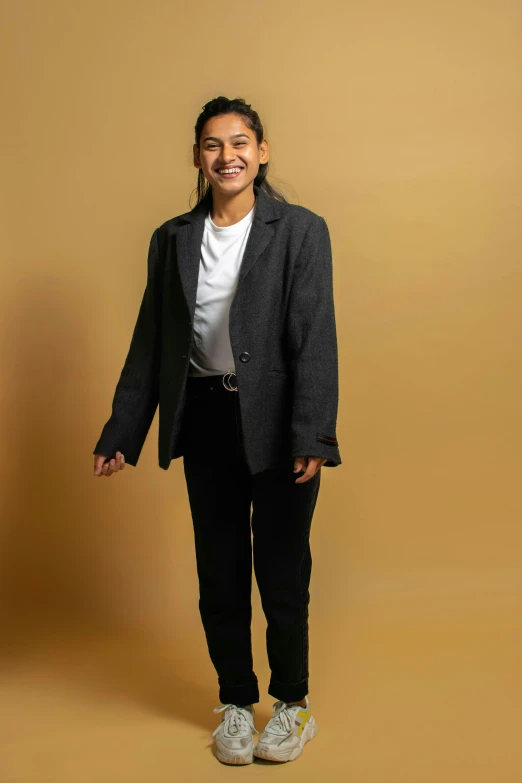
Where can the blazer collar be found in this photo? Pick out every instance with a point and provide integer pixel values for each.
(267, 209)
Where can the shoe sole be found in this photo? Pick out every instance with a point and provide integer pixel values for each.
(227, 756)
(309, 732)
(234, 759)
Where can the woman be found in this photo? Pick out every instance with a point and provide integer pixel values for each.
(244, 280)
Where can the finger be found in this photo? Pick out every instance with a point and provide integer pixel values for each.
(314, 464)
(306, 474)
(119, 461)
(112, 464)
(98, 464)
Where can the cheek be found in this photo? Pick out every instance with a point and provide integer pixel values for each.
(251, 160)
(206, 162)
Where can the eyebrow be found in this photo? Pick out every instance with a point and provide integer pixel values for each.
(215, 138)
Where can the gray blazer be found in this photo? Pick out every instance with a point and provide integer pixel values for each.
(282, 333)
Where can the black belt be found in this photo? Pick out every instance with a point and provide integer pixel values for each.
(226, 379)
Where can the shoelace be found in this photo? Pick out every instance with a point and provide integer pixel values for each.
(283, 720)
(234, 720)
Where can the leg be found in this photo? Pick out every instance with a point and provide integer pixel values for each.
(281, 522)
(219, 489)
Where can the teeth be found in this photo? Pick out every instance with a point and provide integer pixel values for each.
(228, 171)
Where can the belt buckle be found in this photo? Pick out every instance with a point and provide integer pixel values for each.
(226, 383)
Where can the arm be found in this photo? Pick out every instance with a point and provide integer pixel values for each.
(137, 391)
(312, 343)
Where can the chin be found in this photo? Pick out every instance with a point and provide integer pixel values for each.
(231, 186)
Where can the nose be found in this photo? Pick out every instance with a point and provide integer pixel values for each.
(227, 155)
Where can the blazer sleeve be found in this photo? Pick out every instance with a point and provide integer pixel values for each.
(137, 391)
(312, 343)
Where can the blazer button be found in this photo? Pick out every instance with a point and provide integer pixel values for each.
(184, 356)
(244, 357)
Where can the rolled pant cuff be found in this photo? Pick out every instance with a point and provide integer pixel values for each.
(288, 691)
(239, 694)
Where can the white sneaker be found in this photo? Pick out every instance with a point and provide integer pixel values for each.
(286, 732)
(235, 734)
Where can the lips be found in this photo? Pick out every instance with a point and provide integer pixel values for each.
(233, 174)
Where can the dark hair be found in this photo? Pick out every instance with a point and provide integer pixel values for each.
(221, 105)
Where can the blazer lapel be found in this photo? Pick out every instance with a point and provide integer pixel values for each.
(189, 236)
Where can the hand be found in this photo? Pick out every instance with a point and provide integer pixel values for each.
(310, 465)
(105, 467)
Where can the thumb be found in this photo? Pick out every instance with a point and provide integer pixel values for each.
(299, 464)
(98, 463)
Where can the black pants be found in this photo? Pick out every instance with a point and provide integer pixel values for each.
(221, 492)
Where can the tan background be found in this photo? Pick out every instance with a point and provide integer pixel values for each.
(400, 123)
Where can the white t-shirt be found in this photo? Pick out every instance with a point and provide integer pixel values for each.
(222, 251)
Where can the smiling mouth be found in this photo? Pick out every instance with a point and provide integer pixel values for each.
(229, 172)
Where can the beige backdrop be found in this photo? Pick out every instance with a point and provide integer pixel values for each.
(400, 123)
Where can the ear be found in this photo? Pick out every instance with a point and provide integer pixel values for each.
(264, 151)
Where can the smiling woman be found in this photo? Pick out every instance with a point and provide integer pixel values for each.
(230, 148)
(236, 341)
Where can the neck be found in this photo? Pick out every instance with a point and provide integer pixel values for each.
(227, 210)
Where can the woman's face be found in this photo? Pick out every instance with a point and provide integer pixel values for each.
(227, 142)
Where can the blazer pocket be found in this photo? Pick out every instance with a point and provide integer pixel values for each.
(278, 371)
